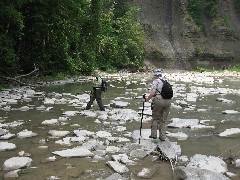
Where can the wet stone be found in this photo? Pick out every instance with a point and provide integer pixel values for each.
(237, 162)
(146, 173)
(118, 104)
(5, 146)
(17, 163)
(115, 176)
(230, 132)
(190, 173)
(11, 175)
(211, 163)
(138, 153)
(129, 147)
(118, 167)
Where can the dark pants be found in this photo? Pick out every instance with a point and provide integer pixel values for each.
(96, 94)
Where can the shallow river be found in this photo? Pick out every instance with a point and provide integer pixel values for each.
(195, 98)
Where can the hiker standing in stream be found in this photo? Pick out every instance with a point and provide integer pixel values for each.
(96, 93)
(161, 92)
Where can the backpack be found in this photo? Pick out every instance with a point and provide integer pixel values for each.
(104, 85)
(167, 91)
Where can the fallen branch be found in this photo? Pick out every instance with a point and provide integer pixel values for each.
(24, 75)
(15, 79)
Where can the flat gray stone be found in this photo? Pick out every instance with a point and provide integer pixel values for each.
(129, 147)
(189, 173)
(115, 176)
(118, 167)
(146, 173)
(169, 149)
(138, 153)
(211, 163)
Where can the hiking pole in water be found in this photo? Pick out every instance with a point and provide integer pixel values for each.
(144, 97)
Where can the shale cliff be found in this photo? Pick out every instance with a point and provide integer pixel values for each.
(181, 35)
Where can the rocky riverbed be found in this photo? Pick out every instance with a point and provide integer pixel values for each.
(45, 133)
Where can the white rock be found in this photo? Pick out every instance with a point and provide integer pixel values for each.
(50, 122)
(118, 167)
(71, 113)
(118, 139)
(12, 174)
(112, 149)
(97, 121)
(237, 162)
(48, 101)
(118, 104)
(183, 123)
(4, 146)
(41, 108)
(75, 152)
(180, 135)
(83, 133)
(103, 134)
(56, 133)
(145, 134)
(53, 178)
(52, 158)
(183, 158)
(138, 153)
(17, 163)
(230, 112)
(202, 126)
(26, 134)
(88, 113)
(225, 100)
(146, 173)
(93, 144)
(115, 176)
(208, 162)
(7, 136)
(3, 131)
(230, 174)
(120, 128)
(123, 158)
(229, 132)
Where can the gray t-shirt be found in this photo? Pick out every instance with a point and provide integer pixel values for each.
(157, 84)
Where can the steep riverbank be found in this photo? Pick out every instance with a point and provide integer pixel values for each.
(174, 40)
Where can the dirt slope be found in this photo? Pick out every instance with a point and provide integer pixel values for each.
(171, 39)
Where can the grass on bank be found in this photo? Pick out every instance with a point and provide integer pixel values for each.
(231, 69)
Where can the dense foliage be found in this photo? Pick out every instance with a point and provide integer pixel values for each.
(70, 36)
(198, 8)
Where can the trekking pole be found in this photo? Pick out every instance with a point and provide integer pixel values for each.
(144, 97)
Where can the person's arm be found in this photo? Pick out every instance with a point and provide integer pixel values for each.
(151, 95)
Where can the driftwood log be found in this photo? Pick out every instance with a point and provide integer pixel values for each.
(17, 79)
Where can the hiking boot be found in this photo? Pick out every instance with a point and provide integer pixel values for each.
(152, 137)
(102, 109)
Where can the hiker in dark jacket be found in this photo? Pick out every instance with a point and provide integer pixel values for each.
(96, 92)
(160, 109)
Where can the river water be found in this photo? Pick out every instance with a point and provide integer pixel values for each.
(195, 98)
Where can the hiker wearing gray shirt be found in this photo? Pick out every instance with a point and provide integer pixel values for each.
(160, 109)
